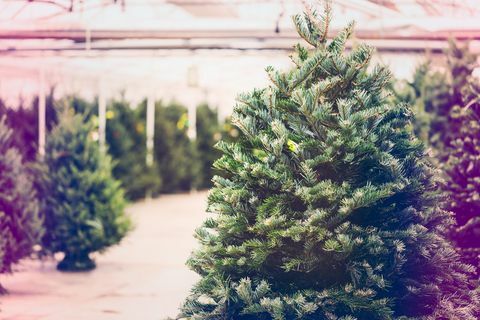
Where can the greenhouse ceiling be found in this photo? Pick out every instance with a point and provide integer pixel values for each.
(181, 49)
(60, 26)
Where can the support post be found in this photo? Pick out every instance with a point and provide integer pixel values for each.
(192, 121)
(150, 132)
(102, 117)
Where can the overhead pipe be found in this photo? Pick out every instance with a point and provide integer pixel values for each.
(79, 36)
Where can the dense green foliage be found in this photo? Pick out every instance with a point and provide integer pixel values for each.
(327, 207)
(434, 94)
(208, 134)
(181, 162)
(447, 118)
(174, 152)
(20, 221)
(84, 209)
(462, 173)
(24, 120)
(126, 144)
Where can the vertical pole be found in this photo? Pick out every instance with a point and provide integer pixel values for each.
(42, 106)
(192, 121)
(150, 129)
(192, 83)
(102, 118)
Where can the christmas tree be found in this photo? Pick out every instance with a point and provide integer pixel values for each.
(327, 209)
(413, 93)
(208, 134)
(462, 173)
(434, 93)
(174, 153)
(20, 222)
(445, 94)
(125, 135)
(84, 209)
(24, 120)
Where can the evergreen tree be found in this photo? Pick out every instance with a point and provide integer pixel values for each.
(174, 153)
(327, 209)
(125, 135)
(413, 94)
(462, 172)
(20, 222)
(434, 94)
(84, 209)
(24, 120)
(450, 89)
(208, 133)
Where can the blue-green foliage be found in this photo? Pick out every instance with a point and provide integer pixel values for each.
(326, 208)
(84, 209)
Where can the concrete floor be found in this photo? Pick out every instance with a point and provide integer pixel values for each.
(145, 277)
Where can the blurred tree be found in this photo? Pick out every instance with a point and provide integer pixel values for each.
(452, 131)
(208, 134)
(84, 209)
(462, 172)
(434, 94)
(174, 152)
(125, 135)
(327, 209)
(20, 221)
(24, 122)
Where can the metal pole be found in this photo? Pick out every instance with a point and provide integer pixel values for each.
(42, 103)
(150, 129)
(102, 119)
(192, 121)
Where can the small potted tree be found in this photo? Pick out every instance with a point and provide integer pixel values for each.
(84, 209)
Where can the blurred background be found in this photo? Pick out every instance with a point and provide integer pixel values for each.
(121, 55)
(159, 79)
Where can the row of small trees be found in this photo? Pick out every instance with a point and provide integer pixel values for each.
(180, 163)
(71, 200)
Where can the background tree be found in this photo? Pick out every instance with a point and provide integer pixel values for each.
(435, 93)
(413, 94)
(20, 221)
(208, 134)
(24, 120)
(462, 171)
(327, 209)
(125, 135)
(174, 153)
(84, 209)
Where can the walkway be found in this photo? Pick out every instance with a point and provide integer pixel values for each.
(143, 278)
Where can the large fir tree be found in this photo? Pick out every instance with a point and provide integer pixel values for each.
(327, 209)
(20, 221)
(84, 209)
